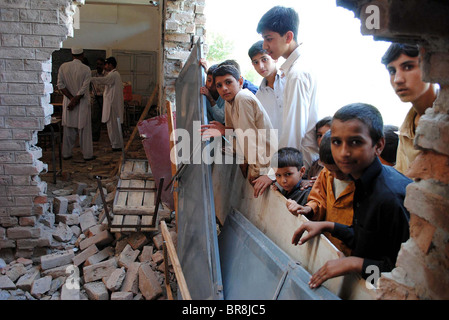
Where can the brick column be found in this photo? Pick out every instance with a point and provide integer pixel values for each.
(29, 32)
(423, 262)
(184, 23)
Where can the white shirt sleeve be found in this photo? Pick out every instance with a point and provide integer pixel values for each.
(300, 115)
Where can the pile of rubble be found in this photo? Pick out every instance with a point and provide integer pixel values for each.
(86, 261)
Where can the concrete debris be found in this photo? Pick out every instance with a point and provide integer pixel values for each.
(84, 260)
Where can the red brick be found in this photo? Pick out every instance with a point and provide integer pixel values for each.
(148, 284)
(422, 200)
(131, 282)
(430, 165)
(388, 289)
(422, 231)
(99, 270)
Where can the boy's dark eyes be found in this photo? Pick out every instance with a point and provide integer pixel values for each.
(336, 142)
(356, 142)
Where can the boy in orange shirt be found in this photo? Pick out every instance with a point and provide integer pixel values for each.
(331, 197)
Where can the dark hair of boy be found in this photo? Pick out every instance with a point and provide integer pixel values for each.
(391, 144)
(325, 149)
(396, 49)
(281, 20)
(326, 121)
(255, 49)
(112, 61)
(288, 157)
(211, 69)
(231, 63)
(365, 113)
(226, 69)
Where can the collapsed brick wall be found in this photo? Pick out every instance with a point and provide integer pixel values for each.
(184, 24)
(423, 261)
(29, 32)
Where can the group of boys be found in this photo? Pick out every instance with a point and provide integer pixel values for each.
(357, 196)
(75, 79)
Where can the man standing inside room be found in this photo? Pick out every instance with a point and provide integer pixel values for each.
(113, 104)
(73, 81)
(96, 100)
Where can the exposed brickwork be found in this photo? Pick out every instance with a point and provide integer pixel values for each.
(185, 22)
(423, 260)
(29, 32)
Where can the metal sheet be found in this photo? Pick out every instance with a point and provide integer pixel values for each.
(156, 143)
(254, 267)
(197, 233)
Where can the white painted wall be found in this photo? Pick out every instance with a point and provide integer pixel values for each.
(125, 27)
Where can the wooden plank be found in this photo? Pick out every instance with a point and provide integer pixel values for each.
(147, 221)
(174, 153)
(117, 221)
(136, 169)
(132, 221)
(135, 198)
(132, 201)
(139, 167)
(149, 197)
(120, 196)
(127, 166)
(166, 274)
(182, 285)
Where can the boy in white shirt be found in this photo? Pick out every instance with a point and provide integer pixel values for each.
(244, 112)
(279, 29)
(272, 86)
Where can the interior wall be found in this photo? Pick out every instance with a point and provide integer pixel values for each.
(124, 27)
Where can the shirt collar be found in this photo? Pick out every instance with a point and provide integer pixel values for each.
(290, 61)
(263, 83)
(296, 187)
(408, 126)
(370, 173)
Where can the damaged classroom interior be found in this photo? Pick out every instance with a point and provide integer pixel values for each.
(134, 222)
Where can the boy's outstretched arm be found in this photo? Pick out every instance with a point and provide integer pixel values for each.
(335, 268)
(296, 208)
(213, 129)
(260, 184)
(313, 228)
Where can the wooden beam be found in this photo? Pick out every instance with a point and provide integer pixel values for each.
(182, 285)
(131, 138)
(173, 157)
(166, 275)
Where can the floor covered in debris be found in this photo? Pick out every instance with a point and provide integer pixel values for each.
(77, 249)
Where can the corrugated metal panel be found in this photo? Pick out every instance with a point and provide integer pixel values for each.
(254, 267)
(197, 233)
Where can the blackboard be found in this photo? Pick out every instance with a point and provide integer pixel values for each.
(64, 55)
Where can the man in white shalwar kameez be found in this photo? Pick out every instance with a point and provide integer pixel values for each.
(73, 81)
(113, 103)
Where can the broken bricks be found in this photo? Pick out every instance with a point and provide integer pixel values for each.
(87, 262)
